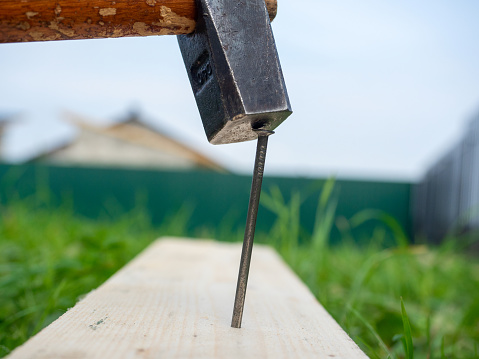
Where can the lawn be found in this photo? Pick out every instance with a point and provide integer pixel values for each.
(398, 301)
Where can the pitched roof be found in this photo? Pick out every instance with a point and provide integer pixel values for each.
(129, 141)
(135, 130)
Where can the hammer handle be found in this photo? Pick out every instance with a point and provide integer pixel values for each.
(44, 20)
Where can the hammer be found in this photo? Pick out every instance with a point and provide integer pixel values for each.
(229, 54)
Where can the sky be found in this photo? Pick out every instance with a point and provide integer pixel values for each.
(379, 89)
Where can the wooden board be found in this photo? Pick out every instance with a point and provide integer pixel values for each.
(175, 301)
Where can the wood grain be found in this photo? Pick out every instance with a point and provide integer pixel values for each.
(175, 301)
(44, 20)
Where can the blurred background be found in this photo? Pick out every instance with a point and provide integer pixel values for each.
(380, 93)
(371, 188)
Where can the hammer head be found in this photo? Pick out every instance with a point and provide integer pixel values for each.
(234, 70)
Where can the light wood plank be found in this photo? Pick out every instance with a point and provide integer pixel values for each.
(175, 301)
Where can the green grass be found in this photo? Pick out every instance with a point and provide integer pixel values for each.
(400, 302)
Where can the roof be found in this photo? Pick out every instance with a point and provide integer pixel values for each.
(129, 141)
(136, 130)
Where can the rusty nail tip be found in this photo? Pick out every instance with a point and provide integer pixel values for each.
(248, 241)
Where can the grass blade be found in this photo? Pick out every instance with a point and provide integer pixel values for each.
(407, 340)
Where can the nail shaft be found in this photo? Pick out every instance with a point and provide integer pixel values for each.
(250, 227)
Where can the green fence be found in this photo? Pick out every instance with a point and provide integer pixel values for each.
(212, 198)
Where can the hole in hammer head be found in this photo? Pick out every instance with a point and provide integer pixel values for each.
(258, 127)
(258, 124)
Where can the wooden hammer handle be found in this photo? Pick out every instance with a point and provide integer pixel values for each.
(44, 20)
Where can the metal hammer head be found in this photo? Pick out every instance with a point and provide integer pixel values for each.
(234, 70)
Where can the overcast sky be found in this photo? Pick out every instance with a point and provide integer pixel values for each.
(378, 89)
